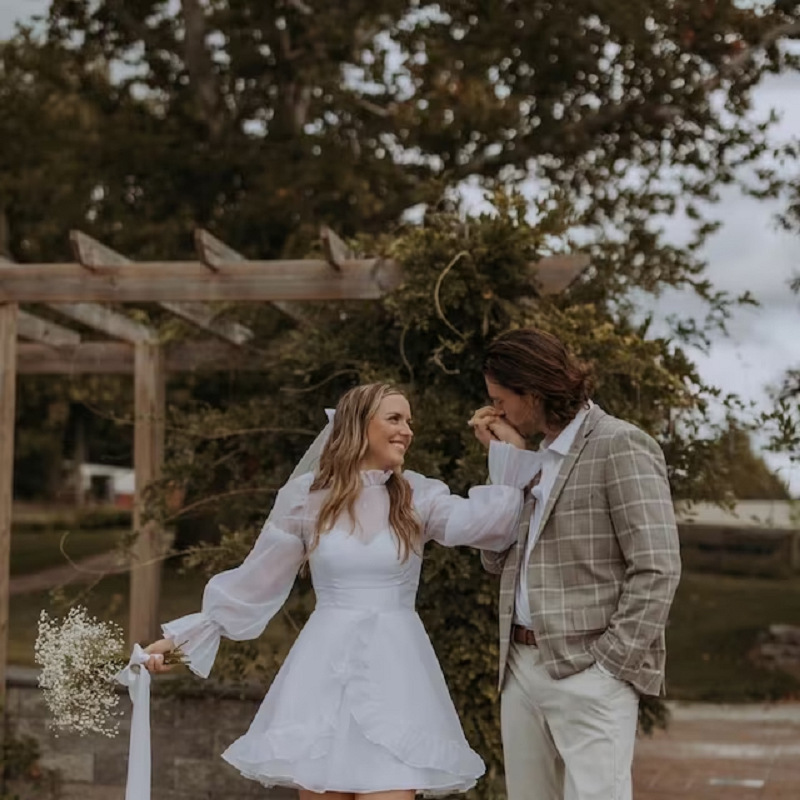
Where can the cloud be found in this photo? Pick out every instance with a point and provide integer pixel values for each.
(23, 10)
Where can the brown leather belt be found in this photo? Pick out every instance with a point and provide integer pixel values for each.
(523, 635)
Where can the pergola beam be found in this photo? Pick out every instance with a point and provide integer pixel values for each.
(102, 319)
(233, 281)
(161, 281)
(92, 254)
(554, 274)
(45, 332)
(205, 318)
(336, 251)
(214, 253)
(117, 358)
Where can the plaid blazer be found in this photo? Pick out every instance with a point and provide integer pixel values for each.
(603, 572)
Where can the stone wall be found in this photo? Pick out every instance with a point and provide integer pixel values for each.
(188, 735)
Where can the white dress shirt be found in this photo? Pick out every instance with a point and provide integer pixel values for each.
(552, 456)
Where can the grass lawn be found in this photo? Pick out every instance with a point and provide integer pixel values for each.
(108, 600)
(714, 622)
(32, 551)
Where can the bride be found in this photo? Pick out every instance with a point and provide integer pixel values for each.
(360, 705)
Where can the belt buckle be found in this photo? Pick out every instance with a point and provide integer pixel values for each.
(524, 635)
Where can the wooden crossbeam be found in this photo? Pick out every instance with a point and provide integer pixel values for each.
(45, 332)
(117, 358)
(336, 251)
(241, 281)
(91, 254)
(214, 253)
(159, 281)
(554, 274)
(204, 317)
(102, 319)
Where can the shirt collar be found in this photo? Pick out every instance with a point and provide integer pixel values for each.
(563, 442)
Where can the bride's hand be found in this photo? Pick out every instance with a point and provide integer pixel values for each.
(157, 650)
(480, 424)
(504, 431)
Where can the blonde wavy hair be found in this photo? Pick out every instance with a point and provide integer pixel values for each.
(339, 470)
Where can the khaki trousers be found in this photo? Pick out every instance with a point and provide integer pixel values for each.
(569, 739)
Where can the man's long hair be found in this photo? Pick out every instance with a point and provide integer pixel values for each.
(340, 470)
(533, 362)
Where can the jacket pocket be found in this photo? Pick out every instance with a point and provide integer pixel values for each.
(593, 618)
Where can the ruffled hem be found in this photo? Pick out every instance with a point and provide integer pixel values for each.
(276, 757)
(275, 779)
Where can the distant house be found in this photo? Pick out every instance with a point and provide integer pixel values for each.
(756, 537)
(769, 514)
(103, 485)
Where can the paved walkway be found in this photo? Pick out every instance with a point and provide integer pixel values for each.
(83, 571)
(710, 752)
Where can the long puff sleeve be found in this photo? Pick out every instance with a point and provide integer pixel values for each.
(487, 518)
(240, 602)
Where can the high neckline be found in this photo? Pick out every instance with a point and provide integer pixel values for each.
(375, 477)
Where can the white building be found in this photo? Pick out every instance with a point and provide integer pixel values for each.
(104, 484)
(745, 514)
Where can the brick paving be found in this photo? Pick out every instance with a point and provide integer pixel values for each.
(716, 752)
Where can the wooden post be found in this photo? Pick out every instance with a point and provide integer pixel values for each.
(78, 460)
(148, 457)
(8, 396)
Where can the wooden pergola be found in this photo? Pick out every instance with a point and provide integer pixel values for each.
(76, 293)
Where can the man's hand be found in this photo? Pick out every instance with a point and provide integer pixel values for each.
(489, 425)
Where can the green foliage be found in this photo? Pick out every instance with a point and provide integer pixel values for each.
(260, 120)
(750, 477)
(19, 767)
(783, 420)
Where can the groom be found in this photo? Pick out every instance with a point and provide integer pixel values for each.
(586, 590)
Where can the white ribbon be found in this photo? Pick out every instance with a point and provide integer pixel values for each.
(137, 679)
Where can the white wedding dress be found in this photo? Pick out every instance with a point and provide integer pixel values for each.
(360, 703)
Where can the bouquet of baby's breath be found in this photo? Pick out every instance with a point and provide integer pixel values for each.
(80, 658)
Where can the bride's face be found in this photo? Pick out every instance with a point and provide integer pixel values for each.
(389, 434)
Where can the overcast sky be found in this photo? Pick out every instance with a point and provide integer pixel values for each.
(748, 253)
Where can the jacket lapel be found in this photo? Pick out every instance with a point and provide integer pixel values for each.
(592, 418)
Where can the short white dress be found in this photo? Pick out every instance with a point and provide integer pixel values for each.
(360, 703)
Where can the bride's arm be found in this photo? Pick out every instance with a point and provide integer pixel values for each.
(240, 602)
(488, 517)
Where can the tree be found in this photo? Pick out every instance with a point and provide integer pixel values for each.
(783, 421)
(261, 120)
(750, 477)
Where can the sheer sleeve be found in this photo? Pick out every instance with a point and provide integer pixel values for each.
(512, 466)
(239, 603)
(487, 518)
